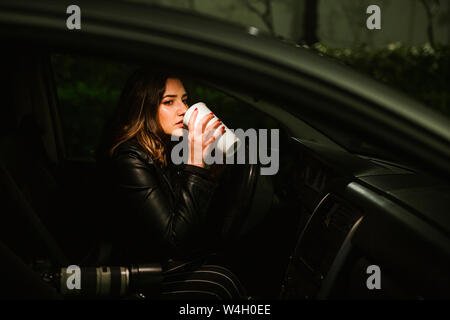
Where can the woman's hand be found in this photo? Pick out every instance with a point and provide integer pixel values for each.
(200, 137)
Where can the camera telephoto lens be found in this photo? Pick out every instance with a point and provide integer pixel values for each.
(138, 281)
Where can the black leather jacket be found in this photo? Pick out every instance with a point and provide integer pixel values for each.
(158, 213)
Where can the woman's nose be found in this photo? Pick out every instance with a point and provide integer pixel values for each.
(182, 109)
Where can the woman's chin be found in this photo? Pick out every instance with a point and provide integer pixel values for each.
(178, 132)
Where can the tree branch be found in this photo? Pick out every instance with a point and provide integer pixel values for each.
(252, 8)
(265, 16)
(430, 17)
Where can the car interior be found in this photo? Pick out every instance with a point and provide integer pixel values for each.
(311, 231)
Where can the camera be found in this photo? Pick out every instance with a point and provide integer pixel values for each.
(141, 280)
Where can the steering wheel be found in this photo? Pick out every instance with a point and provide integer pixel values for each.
(233, 198)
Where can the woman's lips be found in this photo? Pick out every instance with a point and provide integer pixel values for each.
(179, 124)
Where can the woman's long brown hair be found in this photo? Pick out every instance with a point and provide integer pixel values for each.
(136, 115)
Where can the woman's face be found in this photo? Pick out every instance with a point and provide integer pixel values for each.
(173, 107)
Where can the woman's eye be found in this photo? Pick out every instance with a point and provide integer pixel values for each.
(185, 102)
(168, 102)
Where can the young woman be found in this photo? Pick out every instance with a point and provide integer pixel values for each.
(162, 211)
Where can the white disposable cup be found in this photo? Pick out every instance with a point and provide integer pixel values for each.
(228, 142)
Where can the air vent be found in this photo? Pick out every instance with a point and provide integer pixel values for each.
(315, 178)
(341, 217)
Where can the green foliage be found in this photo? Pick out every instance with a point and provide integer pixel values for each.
(88, 91)
(420, 72)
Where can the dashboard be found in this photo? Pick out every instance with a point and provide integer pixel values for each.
(367, 232)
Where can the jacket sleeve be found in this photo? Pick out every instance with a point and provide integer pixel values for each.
(172, 224)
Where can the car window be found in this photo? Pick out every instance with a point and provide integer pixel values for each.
(233, 112)
(89, 88)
